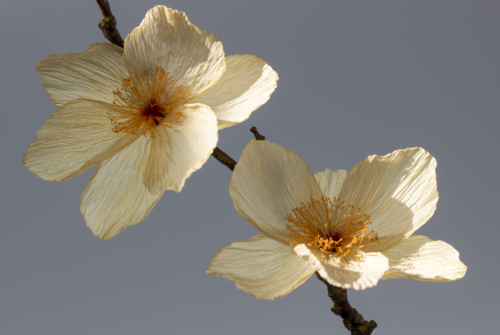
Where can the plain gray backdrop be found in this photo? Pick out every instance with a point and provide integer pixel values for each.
(357, 78)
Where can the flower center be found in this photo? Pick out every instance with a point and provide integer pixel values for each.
(145, 102)
(330, 226)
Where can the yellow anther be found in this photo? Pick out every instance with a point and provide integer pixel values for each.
(330, 226)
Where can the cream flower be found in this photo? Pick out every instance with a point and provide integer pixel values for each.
(148, 114)
(354, 228)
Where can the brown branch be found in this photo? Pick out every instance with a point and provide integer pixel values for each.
(224, 158)
(353, 321)
(108, 24)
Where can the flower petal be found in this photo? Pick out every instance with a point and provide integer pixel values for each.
(398, 191)
(267, 183)
(330, 182)
(246, 85)
(262, 267)
(357, 273)
(421, 258)
(74, 139)
(115, 196)
(180, 150)
(93, 74)
(168, 40)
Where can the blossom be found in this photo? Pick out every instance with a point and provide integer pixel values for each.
(148, 114)
(353, 228)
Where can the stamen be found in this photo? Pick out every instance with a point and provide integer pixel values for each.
(147, 101)
(330, 226)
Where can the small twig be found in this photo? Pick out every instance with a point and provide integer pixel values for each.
(258, 136)
(353, 321)
(108, 24)
(224, 158)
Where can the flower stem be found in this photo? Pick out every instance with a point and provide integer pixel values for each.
(353, 321)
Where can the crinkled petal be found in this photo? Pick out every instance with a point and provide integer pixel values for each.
(330, 182)
(168, 40)
(115, 196)
(74, 139)
(93, 74)
(357, 272)
(267, 183)
(421, 258)
(246, 85)
(398, 191)
(182, 149)
(262, 267)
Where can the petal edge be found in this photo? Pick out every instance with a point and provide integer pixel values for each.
(93, 74)
(167, 39)
(260, 266)
(267, 183)
(76, 137)
(115, 197)
(420, 258)
(359, 273)
(246, 85)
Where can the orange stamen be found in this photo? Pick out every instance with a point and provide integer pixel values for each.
(145, 102)
(330, 226)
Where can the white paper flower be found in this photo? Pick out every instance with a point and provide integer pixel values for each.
(354, 228)
(148, 114)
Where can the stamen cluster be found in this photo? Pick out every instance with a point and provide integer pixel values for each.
(147, 101)
(330, 226)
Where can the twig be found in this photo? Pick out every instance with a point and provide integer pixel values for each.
(258, 136)
(108, 24)
(353, 321)
(224, 158)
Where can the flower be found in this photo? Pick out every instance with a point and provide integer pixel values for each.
(354, 228)
(148, 114)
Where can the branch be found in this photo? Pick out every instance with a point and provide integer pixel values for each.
(108, 24)
(224, 158)
(353, 321)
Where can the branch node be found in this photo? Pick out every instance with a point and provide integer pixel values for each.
(108, 24)
(336, 310)
(258, 136)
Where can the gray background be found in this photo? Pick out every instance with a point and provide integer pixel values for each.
(356, 78)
